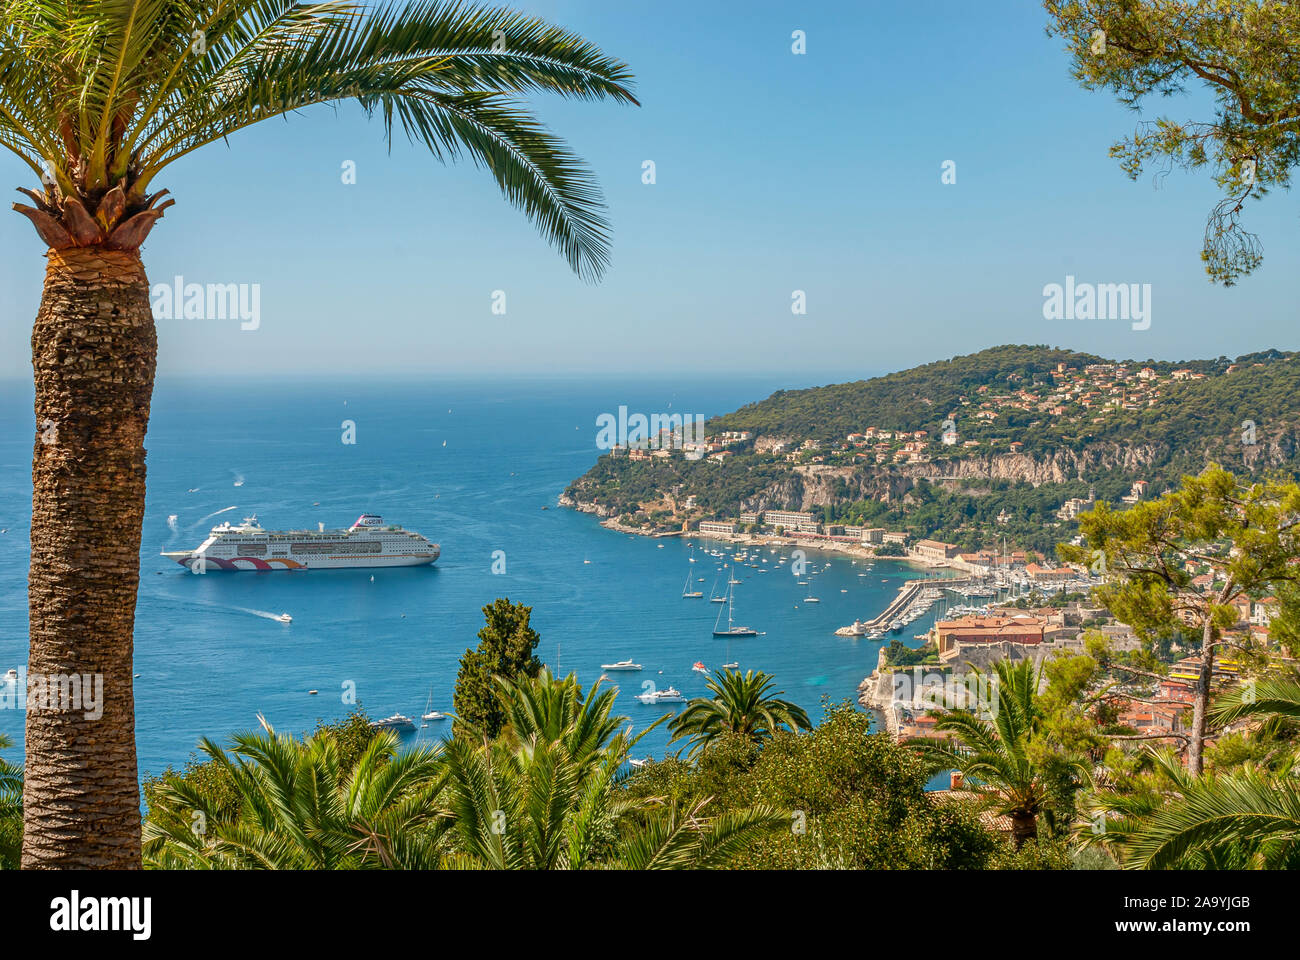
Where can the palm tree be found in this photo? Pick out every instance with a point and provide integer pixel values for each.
(741, 705)
(543, 795)
(672, 840)
(993, 752)
(98, 99)
(1249, 818)
(11, 810)
(1271, 697)
(298, 809)
(540, 796)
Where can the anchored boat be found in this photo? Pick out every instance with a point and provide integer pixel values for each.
(247, 546)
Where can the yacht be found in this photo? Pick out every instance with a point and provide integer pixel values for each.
(621, 665)
(732, 630)
(671, 695)
(433, 715)
(731, 666)
(285, 618)
(396, 722)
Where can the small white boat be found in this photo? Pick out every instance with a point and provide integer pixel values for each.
(285, 618)
(433, 715)
(641, 762)
(731, 666)
(671, 695)
(811, 600)
(621, 665)
(396, 722)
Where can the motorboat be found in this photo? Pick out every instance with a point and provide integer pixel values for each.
(671, 695)
(621, 665)
(699, 667)
(285, 618)
(396, 722)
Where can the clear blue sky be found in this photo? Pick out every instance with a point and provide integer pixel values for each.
(775, 172)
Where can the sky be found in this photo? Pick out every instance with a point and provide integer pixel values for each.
(775, 173)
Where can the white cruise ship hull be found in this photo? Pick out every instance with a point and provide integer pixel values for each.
(367, 544)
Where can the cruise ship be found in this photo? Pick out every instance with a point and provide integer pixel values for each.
(367, 543)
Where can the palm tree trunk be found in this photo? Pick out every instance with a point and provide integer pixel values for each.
(94, 351)
(1024, 827)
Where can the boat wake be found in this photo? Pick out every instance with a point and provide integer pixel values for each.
(218, 513)
(267, 614)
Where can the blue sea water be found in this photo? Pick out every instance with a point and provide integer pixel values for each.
(471, 465)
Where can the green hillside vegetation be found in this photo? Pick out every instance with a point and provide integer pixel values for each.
(1189, 422)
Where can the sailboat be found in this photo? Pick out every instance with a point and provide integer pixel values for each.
(732, 630)
(713, 596)
(429, 712)
(687, 592)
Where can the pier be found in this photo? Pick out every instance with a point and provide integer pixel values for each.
(907, 593)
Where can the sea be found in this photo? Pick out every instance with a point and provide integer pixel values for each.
(475, 465)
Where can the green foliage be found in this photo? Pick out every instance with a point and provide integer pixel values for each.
(300, 807)
(1194, 421)
(212, 781)
(740, 705)
(545, 794)
(109, 94)
(916, 399)
(1248, 819)
(999, 747)
(1245, 534)
(505, 649)
(856, 799)
(1239, 52)
(11, 811)
(899, 654)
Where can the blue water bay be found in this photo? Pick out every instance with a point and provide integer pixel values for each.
(475, 466)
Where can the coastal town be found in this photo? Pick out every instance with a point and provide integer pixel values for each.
(996, 605)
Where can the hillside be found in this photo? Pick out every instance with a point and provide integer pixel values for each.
(1027, 428)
